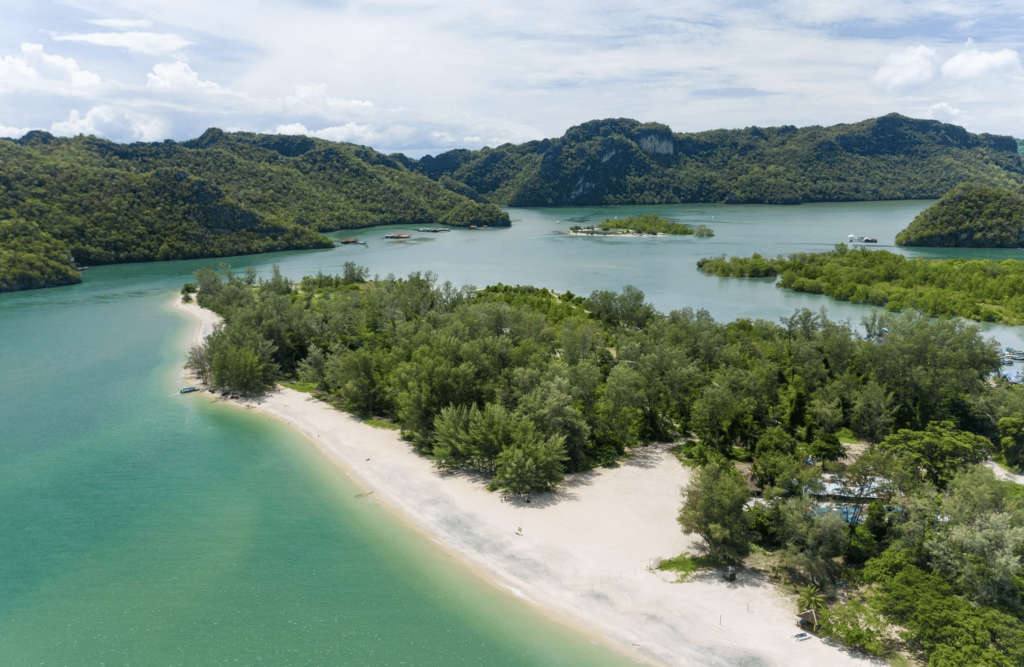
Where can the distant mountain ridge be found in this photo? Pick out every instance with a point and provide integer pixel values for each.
(218, 195)
(623, 161)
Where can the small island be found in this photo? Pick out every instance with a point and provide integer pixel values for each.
(970, 215)
(641, 225)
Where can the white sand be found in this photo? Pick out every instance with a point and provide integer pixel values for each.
(583, 552)
(1003, 473)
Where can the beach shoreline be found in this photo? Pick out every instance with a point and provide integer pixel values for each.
(579, 555)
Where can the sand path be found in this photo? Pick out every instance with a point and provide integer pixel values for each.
(583, 553)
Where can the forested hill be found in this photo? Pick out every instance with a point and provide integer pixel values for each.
(622, 161)
(218, 195)
(970, 216)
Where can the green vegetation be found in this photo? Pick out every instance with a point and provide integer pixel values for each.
(714, 510)
(382, 423)
(30, 258)
(982, 290)
(685, 564)
(642, 224)
(970, 215)
(215, 196)
(304, 387)
(525, 385)
(622, 161)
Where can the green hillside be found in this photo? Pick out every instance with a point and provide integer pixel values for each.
(30, 258)
(970, 215)
(622, 161)
(219, 195)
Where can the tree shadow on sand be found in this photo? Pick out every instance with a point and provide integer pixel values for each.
(647, 456)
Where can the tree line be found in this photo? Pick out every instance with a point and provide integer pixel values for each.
(645, 224)
(977, 289)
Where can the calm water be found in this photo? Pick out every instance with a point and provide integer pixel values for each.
(141, 527)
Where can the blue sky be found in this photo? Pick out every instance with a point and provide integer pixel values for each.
(419, 76)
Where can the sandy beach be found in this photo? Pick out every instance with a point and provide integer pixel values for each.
(583, 553)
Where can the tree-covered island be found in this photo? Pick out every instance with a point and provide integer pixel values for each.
(970, 215)
(641, 225)
(902, 543)
(977, 289)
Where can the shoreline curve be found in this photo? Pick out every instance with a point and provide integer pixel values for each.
(578, 555)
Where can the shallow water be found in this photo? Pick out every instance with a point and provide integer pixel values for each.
(143, 527)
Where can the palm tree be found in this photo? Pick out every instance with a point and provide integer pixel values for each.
(811, 598)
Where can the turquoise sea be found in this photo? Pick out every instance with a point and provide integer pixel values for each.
(139, 526)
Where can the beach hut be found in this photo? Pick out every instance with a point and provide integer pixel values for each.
(809, 619)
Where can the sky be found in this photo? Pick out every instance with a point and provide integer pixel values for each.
(424, 76)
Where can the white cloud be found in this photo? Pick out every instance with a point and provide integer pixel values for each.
(456, 73)
(905, 69)
(974, 63)
(14, 132)
(151, 43)
(313, 99)
(177, 76)
(945, 112)
(352, 132)
(106, 121)
(35, 69)
(356, 133)
(123, 24)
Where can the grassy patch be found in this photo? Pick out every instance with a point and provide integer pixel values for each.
(382, 423)
(846, 435)
(684, 565)
(304, 387)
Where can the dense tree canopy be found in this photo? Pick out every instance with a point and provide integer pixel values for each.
(525, 386)
(622, 161)
(971, 215)
(218, 195)
(977, 289)
(30, 258)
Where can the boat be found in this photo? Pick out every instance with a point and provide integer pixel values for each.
(348, 240)
(434, 230)
(397, 235)
(869, 240)
(188, 390)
